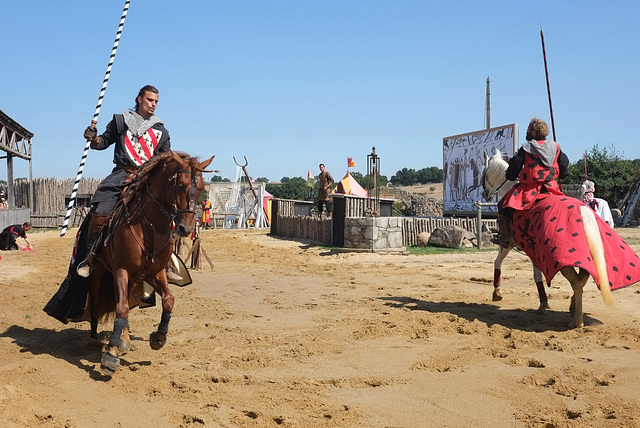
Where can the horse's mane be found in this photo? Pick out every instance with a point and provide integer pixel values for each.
(141, 176)
(500, 166)
(495, 173)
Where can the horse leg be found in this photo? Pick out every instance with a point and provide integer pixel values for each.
(110, 358)
(578, 281)
(497, 273)
(542, 293)
(157, 339)
(125, 339)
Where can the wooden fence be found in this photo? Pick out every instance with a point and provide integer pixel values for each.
(305, 227)
(288, 222)
(414, 226)
(50, 199)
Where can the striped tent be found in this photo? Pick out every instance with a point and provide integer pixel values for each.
(349, 186)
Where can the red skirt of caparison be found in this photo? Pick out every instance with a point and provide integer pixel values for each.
(551, 233)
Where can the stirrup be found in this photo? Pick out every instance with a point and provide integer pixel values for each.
(171, 276)
(83, 269)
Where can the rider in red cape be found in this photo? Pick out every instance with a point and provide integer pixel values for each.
(552, 234)
(537, 165)
(137, 134)
(547, 225)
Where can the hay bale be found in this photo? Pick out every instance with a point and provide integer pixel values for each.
(423, 238)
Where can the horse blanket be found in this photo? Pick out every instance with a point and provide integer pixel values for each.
(551, 233)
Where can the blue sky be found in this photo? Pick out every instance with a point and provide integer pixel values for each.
(290, 84)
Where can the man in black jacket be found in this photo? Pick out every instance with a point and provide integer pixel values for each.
(137, 134)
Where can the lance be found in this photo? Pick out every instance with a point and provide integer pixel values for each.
(546, 72)
(584, 157)
(94, 121)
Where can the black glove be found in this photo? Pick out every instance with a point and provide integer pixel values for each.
(91, 133)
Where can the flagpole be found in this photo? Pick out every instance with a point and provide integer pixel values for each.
(94, 121)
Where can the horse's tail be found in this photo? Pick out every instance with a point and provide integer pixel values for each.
(594, 240)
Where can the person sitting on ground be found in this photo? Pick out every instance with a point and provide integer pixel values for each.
(9, 237)
(537, 165)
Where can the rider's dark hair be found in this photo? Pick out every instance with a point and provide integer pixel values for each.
(144, 89)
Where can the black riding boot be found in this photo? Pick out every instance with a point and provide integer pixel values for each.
(95, 226)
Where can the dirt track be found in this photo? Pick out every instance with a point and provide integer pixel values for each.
(281, 333)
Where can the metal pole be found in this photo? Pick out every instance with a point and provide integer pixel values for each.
(94, 121)
(546, 72)
(479, 225)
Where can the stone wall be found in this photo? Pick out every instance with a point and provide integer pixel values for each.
(417, 205)
(373, 233)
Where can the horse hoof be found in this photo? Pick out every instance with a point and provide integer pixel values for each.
(497, 296)
(154, 342)
(109, 363)
(125, 346)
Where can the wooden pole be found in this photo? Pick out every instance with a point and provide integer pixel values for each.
(94, 121)
(546, 72)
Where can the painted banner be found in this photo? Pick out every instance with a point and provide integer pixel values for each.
(463, 162)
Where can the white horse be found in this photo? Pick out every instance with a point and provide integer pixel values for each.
(493, 181)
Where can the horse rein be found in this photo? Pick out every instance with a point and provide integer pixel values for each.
(193, 191)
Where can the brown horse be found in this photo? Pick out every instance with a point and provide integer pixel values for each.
(137, 244)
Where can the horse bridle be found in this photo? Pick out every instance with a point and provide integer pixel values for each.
(193, 192)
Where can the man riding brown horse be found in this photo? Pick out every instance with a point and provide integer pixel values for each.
(138, 135)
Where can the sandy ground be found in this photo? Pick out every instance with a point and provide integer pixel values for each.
(281, 333)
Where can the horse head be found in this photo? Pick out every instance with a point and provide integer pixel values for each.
(493, 175)
(186, 189)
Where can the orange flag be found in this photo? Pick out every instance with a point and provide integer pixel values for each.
(350, 163)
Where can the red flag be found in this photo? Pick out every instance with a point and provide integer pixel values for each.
(350, 163)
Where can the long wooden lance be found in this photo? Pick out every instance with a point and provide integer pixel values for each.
(546, 72)
(94, 121)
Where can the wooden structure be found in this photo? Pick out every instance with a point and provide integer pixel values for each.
(49, 198)
(293, 219)
(629, 202)
(15, 141)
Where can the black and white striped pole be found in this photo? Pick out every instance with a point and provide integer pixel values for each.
(94, 121)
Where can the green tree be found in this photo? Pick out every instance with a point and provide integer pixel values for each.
(382, 181)
(405, 177)
(432, 174)
(294, 188)
(262, 179)
(217, 179)
(611, 174)
(358, 176)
